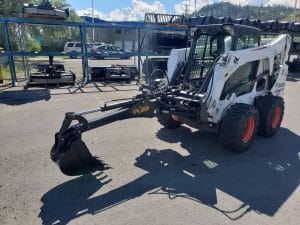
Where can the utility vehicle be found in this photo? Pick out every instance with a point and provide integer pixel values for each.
(226, 81)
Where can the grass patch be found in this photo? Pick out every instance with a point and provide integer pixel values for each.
(6, 71)
(46, 58)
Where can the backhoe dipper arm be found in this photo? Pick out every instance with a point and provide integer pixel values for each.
(69, 151)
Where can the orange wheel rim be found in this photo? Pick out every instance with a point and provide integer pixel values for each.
(276, 117)
(249, 129)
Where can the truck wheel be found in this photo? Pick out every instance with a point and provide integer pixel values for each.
(271, 110)
(168, 121)
(239, 127)
(73, 57)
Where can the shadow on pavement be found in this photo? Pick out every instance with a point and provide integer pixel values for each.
(262, 179)
(293, 76)
(89, 88)
(24, 96)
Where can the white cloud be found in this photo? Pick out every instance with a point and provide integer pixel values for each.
(135, 12)
(138, 8)
(271, 2)
(180, 8)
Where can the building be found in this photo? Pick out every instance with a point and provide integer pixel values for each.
(123, 37)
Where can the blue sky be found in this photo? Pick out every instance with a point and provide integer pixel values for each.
(109, 5)
(135, 9)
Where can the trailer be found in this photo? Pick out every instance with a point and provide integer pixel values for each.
(114, 72)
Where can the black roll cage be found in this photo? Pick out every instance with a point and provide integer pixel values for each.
(217, 30)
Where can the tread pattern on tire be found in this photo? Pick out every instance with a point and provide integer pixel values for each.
(167, 121)
(233, 125)
(266, 106)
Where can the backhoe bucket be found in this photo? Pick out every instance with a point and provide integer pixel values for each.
(74, 158)
(71, 154)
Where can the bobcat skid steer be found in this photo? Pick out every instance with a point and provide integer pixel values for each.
(226, 80)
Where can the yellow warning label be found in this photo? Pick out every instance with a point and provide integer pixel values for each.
(141, 109)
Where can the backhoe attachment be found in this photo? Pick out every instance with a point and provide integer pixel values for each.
(71, 154)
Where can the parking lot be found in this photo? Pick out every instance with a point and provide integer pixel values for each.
(158, 176)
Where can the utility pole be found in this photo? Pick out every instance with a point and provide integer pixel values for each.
(93, 20)
(195, 7)
(295, 9)
(186, 10)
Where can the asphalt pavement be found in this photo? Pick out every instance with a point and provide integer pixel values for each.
(158, 176)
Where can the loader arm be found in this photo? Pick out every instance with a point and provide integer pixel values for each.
(70, 152)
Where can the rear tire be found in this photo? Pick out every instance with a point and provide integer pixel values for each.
(73, 57)
(168, 122)
(271, 110)
(239, 127)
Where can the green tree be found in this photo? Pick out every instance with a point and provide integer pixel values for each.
(47, 38)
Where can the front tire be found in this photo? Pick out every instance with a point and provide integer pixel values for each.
(239, 127)
(271, 110)
(168, 121)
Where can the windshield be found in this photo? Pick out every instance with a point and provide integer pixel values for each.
(206, 49)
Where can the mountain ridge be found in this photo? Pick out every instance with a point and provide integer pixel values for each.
(264, 13)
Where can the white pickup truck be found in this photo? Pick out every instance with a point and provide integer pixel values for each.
(75, 47)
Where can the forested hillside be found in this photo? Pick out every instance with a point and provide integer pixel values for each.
(276, 12)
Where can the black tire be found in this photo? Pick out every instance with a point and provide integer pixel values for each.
(293, 65)
(151, 79)
(73, 57)
(239, 127)
(168, 122)
(271, 111)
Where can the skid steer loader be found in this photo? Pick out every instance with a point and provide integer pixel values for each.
(225, 80)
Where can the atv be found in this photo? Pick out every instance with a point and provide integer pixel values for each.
(225, 80)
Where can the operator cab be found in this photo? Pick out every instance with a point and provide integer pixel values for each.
(209, 42)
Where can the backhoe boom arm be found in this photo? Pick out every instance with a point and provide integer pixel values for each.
(69, 151)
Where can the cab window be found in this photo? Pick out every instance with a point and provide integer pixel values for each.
(240, 81)
(116, 48)
(247, 41)
(227, 43)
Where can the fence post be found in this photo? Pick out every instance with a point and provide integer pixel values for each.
(85, 53)
(1, 79)
(9, 55)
